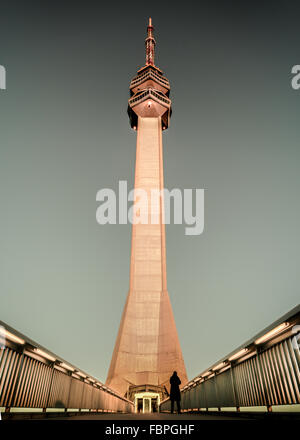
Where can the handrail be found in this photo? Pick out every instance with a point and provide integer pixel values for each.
(33, 377)
(263, 372)
(141, 95)
(142, 77)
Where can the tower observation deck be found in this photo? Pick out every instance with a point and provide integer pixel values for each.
(147, 349)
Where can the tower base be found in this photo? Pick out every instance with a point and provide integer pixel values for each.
(147, 398)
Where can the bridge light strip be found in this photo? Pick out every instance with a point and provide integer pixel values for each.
(75, 375)
(238, 354)
(227, 366)
(219, 366)
(59, 368)
(13, 337)
(44, 354)
(67, 367)
(272, 333)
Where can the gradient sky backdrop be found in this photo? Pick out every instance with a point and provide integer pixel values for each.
(65, 134)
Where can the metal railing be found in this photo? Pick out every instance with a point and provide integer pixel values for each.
(150, 73)
(149, 93)
(33, 377)
(264, 372)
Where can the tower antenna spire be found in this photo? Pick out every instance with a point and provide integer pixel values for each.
(150, 44)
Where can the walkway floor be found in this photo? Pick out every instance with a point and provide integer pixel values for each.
(151, 417)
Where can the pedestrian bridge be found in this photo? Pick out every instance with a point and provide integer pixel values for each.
(262, 375)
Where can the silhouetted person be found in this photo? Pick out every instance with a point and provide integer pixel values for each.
(175, 392)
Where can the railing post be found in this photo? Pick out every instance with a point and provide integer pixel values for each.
(217, 392)
(205, 397)
(71, 381)
(12, 399)
(51, 381)
(263, 382)
(236, 402)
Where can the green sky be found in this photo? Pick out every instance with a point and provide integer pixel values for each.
(65, 135)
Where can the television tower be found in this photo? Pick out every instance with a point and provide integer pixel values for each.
(147, 349)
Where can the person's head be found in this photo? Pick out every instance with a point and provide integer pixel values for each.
(175, 373)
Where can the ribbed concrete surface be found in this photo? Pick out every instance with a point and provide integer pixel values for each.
(147, 350)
